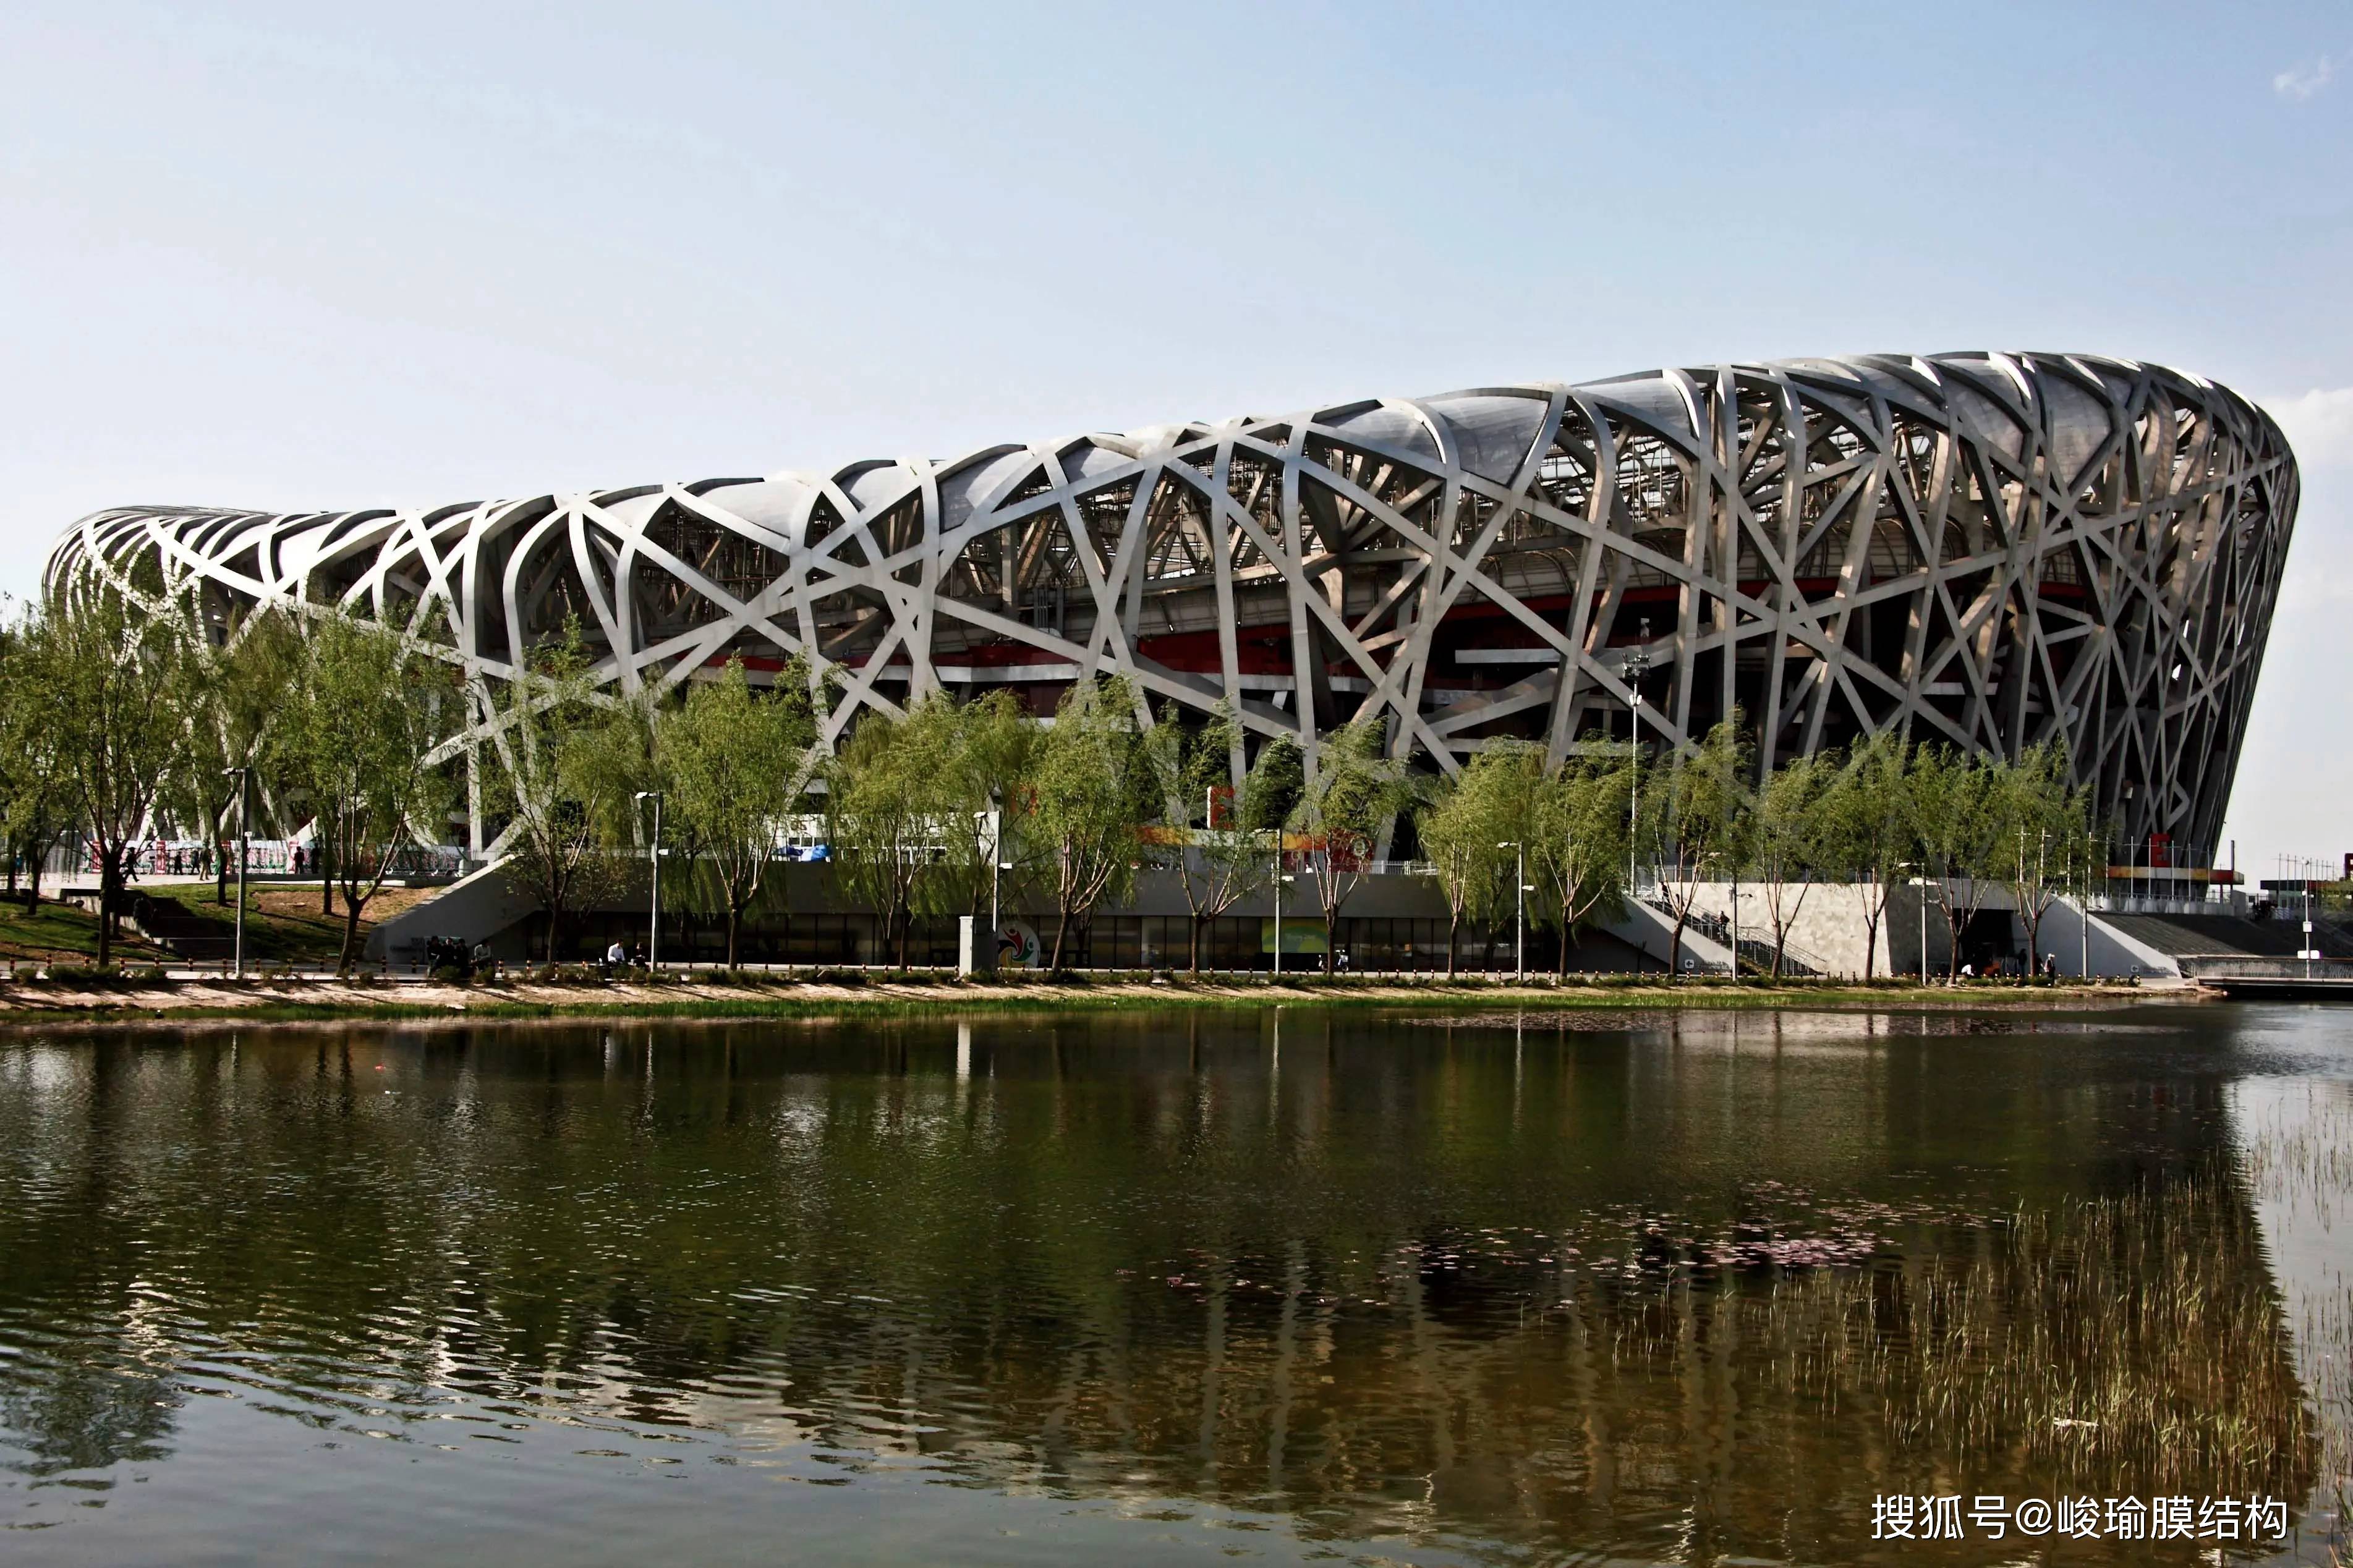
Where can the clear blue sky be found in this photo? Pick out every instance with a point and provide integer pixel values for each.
(306, 256)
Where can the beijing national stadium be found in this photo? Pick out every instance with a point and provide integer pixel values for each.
(1986, 550)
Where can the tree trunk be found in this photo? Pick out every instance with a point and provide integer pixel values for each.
(33, 886)
(1331, 942)
(1453, 938)
(1675, 946)
(109, 882)
(1561, 968)
(326, 869)
(734, 930)
(1061, 926)
(351, 935)
(1871, 945)
(1194, 958)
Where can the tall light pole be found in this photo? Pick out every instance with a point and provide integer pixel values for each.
(996, 864)
(1519, 910)
(1279, 879)
(241, 774)
(1638, 664)
(2309, 868)
(653, 933)
(2132, 846)
(1921, 883)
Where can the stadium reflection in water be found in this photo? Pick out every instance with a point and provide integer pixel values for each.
(1158, 1289)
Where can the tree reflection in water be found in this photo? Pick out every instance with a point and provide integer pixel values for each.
(1644, 1285)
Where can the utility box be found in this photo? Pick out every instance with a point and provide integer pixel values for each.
(975, 947)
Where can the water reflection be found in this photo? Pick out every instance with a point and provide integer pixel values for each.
(1665, 1287)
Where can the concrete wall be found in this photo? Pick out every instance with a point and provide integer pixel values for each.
(1830, 925)
(488, 907)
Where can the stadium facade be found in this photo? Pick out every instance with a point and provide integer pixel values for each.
(1986, 550)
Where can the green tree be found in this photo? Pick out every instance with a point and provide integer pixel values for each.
(240, 703)
(111, 680)
(1959, 821)
(1788, 849)
(1348, 800)
(1277, 780)
(367, 707)
(1454, 848)
(1576, 846)
(553, 775)
(36, 809)
(986, 758)
(880, 797)
(1215, 866)
(1868, 835)
(1465, 824)
(2045, 832)
(736, 761)
(1094, 790)
(1705, 818)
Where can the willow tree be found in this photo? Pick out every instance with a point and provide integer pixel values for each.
(879, 804)
(36, 810)
(1094, 791)
(241, 702)
(1789, 845)
(1474, 827)
(1217, 867)
(736, 761)
(1960, 821)
(972, 767)
(1578, 839)
(1867, 839)
(1705, 819)
(1351, 795)
(111, 681)
(2045, 831)
(368, 704)
(551, 775)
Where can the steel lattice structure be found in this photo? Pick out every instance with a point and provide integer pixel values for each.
(1980, 549)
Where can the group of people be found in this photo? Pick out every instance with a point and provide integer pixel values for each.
(2015, 969)
(617, 957)
(448, 952)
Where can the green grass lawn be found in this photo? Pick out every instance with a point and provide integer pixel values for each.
(282, 925)
(60, 933)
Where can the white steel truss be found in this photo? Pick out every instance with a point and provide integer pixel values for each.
(1981, 548)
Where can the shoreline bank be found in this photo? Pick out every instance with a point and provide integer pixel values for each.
(717, 996)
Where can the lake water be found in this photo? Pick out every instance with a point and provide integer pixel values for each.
(1305, 1286)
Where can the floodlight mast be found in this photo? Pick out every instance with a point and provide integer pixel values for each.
(653, 854)
(241, 775)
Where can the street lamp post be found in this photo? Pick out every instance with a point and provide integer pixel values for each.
(653, 933)
(1921, 883)
(1638, 665)
(2132, 848)
(241, 774)
(1281, 877)
(1519, 909)
(2309, 869)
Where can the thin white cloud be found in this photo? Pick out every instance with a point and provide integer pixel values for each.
(2301, 80)
(2319, 426)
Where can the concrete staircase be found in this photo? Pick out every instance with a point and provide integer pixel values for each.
(1651, 932)
(480, 907)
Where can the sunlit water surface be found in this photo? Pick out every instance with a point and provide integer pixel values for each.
(1313, 1285)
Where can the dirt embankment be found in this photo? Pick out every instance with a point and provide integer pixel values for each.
(708, 995)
